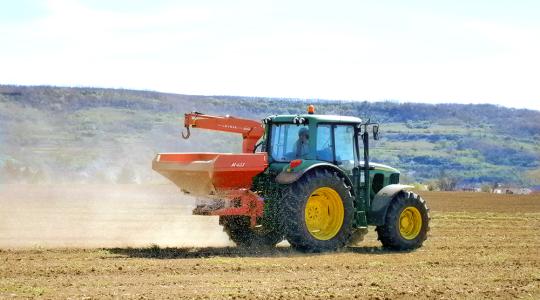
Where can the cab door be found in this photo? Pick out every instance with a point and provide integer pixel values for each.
(336, 144)
(346, 157)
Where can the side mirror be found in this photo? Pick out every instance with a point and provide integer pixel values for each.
(375, 132)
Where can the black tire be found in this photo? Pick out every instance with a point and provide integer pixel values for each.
(293, 214)
(240, 232)
(390, 234)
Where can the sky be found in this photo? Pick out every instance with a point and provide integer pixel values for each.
(460, 51)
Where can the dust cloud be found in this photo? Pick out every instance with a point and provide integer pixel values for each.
(93, 216)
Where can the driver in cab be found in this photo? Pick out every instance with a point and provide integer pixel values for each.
(302, 144)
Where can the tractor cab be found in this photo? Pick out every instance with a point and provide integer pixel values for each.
(296, 142)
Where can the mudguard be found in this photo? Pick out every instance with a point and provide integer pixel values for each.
(286, 176)
(381, 201)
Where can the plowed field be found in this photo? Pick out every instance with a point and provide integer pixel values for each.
(88, 242)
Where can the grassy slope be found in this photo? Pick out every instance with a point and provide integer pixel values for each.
(93, 134)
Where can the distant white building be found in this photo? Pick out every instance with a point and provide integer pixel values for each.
(511, 190)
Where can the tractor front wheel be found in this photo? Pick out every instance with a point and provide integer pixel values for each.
(317, 212)
(406, 224)
(239, 230)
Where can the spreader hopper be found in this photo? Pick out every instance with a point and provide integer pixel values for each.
(202, 174)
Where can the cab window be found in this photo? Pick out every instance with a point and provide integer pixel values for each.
(344, 141)
(289, 141)
(325, 146)
(335, 143)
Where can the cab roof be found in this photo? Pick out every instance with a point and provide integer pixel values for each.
(316, 118)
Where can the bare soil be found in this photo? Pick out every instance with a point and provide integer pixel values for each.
(89, 242)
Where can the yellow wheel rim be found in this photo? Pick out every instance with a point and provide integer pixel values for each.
(410, 223)
(324, 213)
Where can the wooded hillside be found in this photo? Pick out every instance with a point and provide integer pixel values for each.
(95, 135)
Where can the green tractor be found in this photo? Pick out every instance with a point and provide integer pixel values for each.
(305, 178)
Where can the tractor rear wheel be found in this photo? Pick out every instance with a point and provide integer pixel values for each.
(406, 224)
(239, 230)
(316, 212)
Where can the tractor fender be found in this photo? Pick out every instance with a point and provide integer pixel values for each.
(382, 200)
(285, 177)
